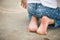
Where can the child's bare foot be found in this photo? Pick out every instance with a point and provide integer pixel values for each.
(44, 24)
(33, 25)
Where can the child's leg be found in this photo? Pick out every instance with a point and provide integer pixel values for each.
(33, 20)
(33, 24)
(45, 21)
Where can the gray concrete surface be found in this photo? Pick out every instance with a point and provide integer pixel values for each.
(14, 22)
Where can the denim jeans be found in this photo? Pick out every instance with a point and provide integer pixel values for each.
(38, 10)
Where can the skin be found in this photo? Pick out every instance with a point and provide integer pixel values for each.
(45, 21)
(24, 3)
(33, 25)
